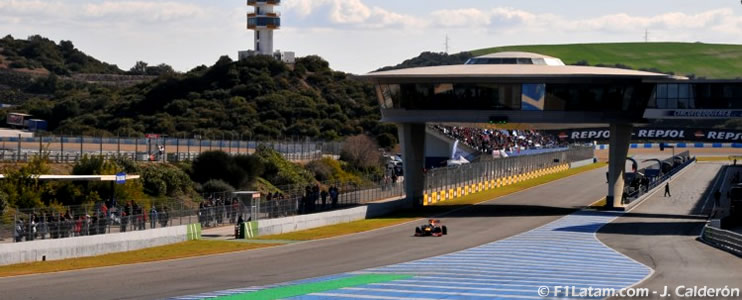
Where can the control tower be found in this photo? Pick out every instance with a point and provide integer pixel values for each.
(263, 20)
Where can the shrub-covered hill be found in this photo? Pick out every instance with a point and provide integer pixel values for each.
(258, 97)
(39, 53)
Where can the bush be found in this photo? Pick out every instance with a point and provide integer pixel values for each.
(129, 166)
(20, 186)
(211, 165)
(239, 171)
(164, 180)
(386, 140)
(280, 171)
(216, 186)
(328, 169)
(321, 170)
(95, 165)
(251, 165)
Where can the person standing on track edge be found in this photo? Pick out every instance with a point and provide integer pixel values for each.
(667, 190)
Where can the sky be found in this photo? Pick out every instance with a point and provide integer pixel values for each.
(359, 36)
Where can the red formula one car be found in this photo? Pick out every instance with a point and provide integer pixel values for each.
(433, 228)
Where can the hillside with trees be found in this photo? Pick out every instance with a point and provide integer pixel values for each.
(41, 53)
(258, 98)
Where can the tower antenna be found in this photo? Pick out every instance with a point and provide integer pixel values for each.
(646, 35)
(447, 40)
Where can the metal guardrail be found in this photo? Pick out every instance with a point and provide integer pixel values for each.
(722, 239)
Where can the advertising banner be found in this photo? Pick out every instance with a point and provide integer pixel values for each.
(653, 134)
(15, 119)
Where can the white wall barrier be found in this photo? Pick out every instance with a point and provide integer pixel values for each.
(581, 163)
(303, 222)
(39, 250)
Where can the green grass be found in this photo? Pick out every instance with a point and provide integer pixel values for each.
(707, 60)
(180, 250)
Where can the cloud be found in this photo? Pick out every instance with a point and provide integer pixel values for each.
(143, 11)
(350, 13)
(355, 14)
(510, 19)
(32, 7)
(108, 11)
(461, 17)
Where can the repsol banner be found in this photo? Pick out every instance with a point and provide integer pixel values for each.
(647, 133)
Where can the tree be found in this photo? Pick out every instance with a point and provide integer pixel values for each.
(161, 69)
(140, 68)
(22, 186)
(218, 165)
(252, 165)
(361, 151)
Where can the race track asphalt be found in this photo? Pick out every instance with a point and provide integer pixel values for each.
(661, 233)
(468, 227)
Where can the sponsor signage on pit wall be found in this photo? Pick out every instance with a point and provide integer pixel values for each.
(665, 134)
(692, 113)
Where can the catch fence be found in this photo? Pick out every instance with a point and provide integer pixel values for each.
(451, 182)
(65, 149)
(71, 221)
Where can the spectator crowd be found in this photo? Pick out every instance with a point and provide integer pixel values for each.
(488, 140)
(55, 225)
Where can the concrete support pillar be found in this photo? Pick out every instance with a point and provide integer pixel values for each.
(618, 150)
(412, 140)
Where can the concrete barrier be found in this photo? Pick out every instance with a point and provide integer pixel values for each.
(581, 163)
(303, 222)
(83, 246)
